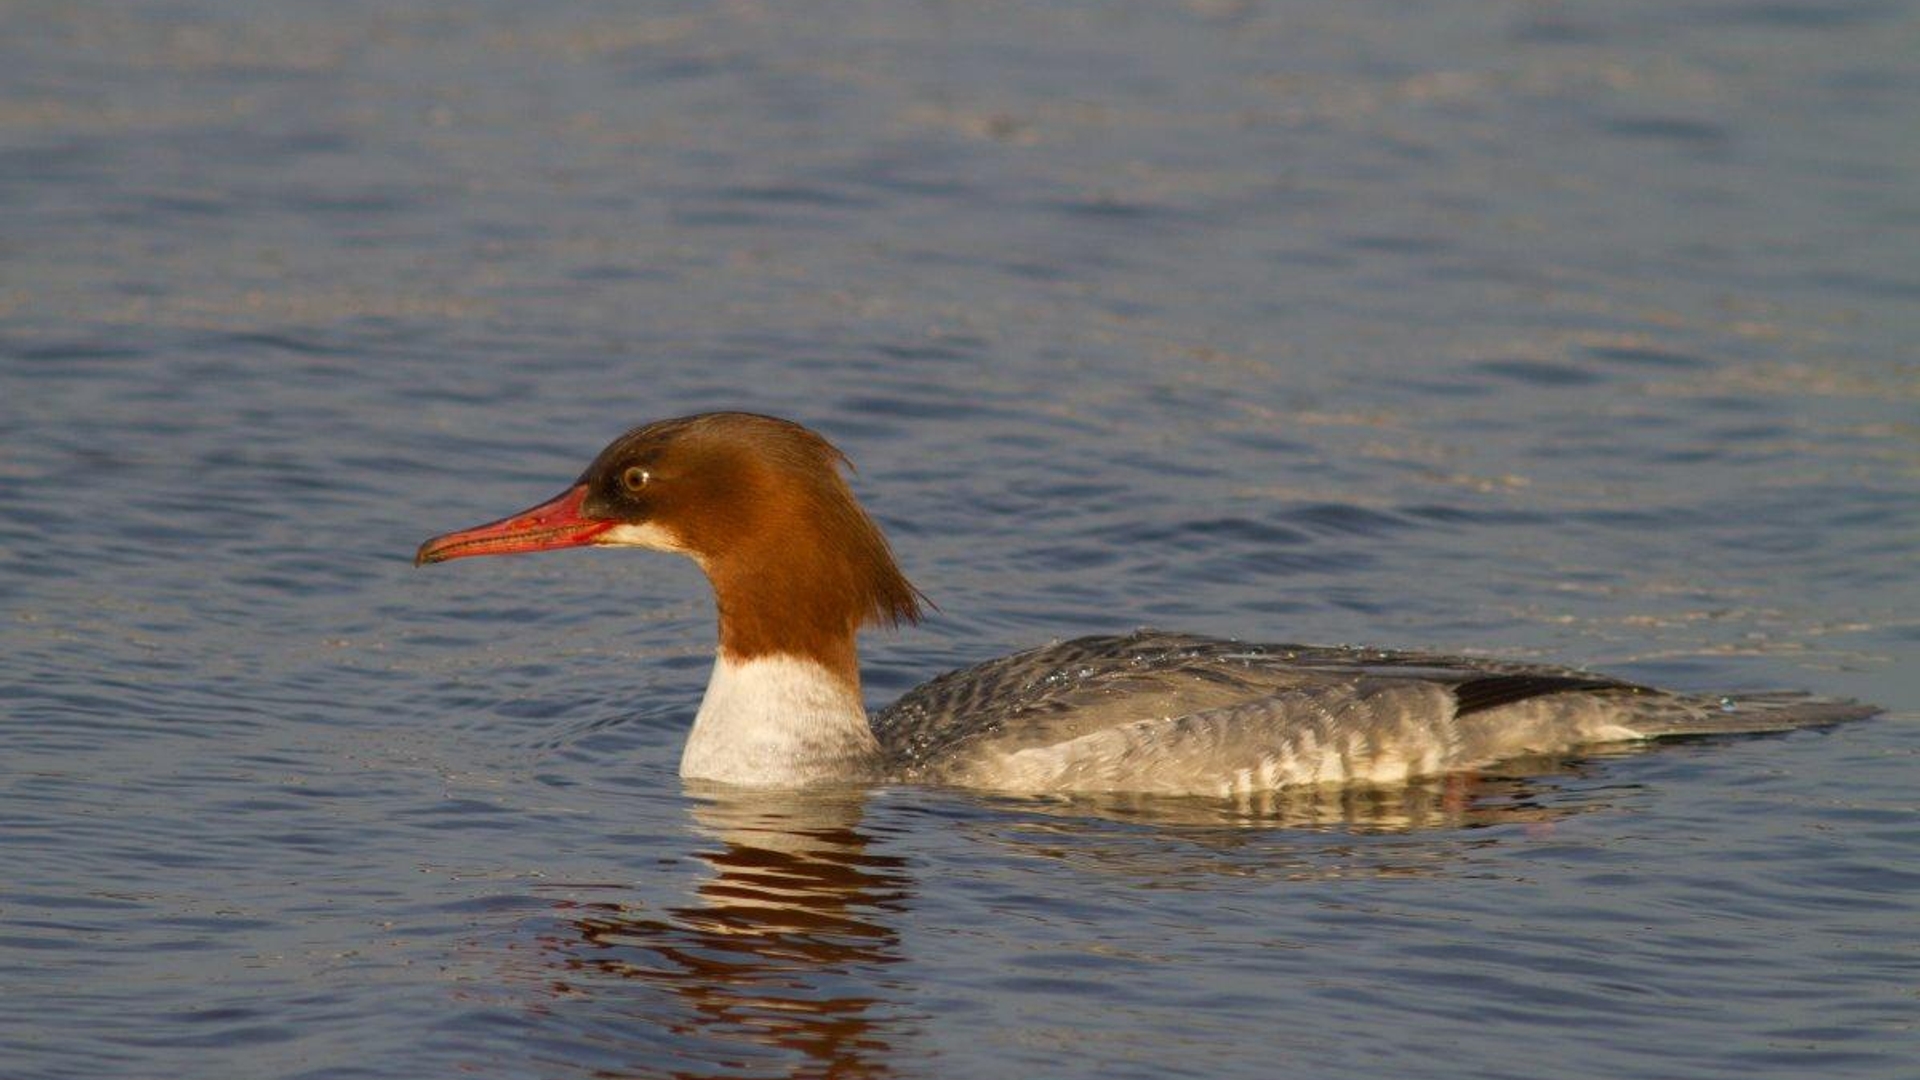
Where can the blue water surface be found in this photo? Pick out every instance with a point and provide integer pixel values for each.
(1573, 332)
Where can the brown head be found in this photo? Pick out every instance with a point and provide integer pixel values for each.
(797, 567)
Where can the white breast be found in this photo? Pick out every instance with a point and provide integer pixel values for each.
(779, 721)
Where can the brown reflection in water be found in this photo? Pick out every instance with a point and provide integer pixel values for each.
(777, 958)
(777, 966)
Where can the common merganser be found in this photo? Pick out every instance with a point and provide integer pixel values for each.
(797, 568)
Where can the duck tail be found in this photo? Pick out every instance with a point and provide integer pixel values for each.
(1731, 714)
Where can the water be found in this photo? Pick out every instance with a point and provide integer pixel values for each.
(1579, 332)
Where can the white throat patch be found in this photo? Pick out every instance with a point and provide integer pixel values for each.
(650, 536)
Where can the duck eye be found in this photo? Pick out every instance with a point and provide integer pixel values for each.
(635, 478)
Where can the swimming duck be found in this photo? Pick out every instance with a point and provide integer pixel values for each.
(797, 568)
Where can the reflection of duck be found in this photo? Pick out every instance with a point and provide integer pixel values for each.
(797, 567)
(780, 958)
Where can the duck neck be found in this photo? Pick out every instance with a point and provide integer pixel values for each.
(796, 568)
(783, 706)
(780, 720)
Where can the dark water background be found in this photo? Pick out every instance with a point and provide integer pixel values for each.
(1575, 331)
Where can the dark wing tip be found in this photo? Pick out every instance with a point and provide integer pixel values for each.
(1493, 691)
